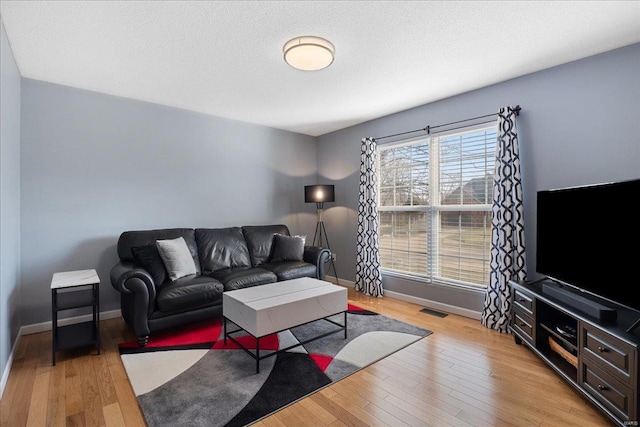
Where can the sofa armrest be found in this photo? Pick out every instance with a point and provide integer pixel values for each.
(134, 281)
(319, 257)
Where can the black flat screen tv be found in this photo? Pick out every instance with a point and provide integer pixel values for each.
(588, 237)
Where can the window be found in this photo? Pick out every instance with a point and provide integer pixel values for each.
(434, 206)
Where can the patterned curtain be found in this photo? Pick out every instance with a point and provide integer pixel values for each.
(507, 225)
(368, 272)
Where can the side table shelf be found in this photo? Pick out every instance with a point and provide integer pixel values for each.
(75, 289)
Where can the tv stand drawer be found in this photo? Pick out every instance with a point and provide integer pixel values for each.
(523, 325)
(612, 354)
(607, 390)
(524, 302)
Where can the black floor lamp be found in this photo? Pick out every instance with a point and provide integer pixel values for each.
(319, 194)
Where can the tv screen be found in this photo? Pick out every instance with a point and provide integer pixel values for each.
(589, 238)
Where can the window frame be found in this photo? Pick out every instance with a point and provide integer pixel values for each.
(434, 208)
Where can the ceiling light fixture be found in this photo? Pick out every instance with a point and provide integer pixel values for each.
(309, 53)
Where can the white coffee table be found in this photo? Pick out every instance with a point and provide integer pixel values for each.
(267, 309)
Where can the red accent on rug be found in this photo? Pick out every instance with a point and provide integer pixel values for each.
(194, 334)
(321, 360)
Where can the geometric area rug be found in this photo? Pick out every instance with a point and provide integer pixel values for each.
(188, 377)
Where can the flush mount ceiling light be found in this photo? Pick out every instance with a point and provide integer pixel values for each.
(309, 53)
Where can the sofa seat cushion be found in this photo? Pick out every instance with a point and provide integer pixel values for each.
(189, 292)
(238, 278)
(287, 270)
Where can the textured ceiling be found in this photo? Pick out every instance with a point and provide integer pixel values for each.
(225, 58)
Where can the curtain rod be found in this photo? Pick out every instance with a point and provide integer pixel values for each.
(429, 128)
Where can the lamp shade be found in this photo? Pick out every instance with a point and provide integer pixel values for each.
(318, 193)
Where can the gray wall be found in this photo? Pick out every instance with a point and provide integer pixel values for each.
(94, 166)
(10, 321)
(579, 125)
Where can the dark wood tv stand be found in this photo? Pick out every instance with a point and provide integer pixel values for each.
(597, 357)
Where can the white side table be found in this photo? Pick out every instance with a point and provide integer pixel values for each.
(79, 289)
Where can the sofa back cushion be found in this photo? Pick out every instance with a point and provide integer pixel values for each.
(260, 241)
(221, 248)
(139, 238)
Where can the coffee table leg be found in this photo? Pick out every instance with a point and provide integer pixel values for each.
(257, 355)
(345, 325)
(225, 331)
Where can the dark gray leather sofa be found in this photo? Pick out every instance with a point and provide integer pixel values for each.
(225, 259)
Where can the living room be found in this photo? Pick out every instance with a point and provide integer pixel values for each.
(80, 167)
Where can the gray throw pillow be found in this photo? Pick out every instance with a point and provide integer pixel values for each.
(288, 248)
(176, 257)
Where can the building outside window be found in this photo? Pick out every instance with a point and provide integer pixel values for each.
(434, 206)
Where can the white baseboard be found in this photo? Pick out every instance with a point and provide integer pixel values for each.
(341, 282)
(7, 369)
(46, 326)
(435, 305)
(420, 301)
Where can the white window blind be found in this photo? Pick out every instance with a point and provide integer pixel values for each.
(435, 206)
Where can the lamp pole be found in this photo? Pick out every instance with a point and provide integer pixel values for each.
(321, 194)
(319, 225)
(318, 235)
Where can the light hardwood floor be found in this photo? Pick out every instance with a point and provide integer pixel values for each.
(463, 374)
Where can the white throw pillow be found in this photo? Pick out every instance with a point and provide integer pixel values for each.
(176, 257)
